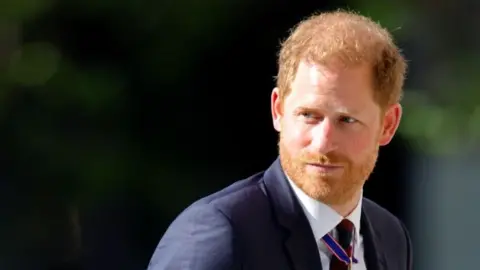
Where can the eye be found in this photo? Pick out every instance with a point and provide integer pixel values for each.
(348, 120)
(307, 115)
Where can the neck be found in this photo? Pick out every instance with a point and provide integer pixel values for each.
(347, 208)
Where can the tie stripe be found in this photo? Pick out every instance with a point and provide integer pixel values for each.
(343, 248)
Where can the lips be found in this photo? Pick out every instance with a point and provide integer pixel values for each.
(332, 166)
(324, 167)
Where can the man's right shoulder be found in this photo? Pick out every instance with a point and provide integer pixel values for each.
(205, 227)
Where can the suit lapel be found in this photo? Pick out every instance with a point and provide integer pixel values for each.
(374, 255)
(302, 248)
(300, 244)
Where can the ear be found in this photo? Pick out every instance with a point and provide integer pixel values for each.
(391, 121)
(276, 107)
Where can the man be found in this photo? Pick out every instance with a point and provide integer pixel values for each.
(336, 102)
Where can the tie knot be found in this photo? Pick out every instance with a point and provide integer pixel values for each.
(345, 233)
(345, 225)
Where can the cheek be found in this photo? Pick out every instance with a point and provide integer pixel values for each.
(295, 137)
(359, 146)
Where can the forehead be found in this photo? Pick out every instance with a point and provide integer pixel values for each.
(349, 86)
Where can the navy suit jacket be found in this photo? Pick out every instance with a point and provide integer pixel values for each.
(257, 223)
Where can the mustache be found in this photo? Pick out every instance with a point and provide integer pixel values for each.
(324, 159)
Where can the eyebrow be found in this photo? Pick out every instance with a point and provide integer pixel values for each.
(316, 109)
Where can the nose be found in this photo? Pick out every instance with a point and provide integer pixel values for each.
(323, 139)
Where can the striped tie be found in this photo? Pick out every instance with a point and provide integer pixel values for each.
(345, 237)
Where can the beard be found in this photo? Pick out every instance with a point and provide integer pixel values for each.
(331, 189)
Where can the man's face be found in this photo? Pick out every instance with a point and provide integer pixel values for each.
(331, 129)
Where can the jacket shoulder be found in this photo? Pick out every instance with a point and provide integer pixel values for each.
(375, 211)
(382, 219)
(203, 228)
(390, 229)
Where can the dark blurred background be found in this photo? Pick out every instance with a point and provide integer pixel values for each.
(117, 115)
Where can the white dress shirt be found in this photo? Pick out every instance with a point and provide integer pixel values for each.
(323, 220)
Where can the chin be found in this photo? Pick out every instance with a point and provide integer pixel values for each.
(316, 187)
(330, 190)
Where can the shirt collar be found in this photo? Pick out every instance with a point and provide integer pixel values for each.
(323, 219)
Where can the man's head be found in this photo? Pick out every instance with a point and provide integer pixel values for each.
(337, 99)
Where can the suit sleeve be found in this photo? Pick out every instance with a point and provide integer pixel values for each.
(200, 238)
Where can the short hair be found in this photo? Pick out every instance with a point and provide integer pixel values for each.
(350, 38)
